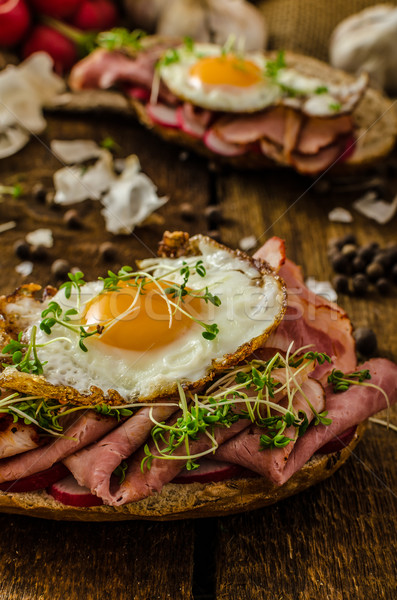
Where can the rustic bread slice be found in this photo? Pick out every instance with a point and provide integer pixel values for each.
(375, 118)
(182, 501)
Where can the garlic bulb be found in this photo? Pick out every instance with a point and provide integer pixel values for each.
(367, 41)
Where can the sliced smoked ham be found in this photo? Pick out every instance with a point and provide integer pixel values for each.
(318, 133)
(310, 164)
(244, 449)
(248, 128)
(311, 319)
(93, 466)
(139, 484)
(84, 430)
(346, 409)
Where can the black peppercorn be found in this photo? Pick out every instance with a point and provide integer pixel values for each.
(60, 268)
(383, 286)
(72, 219)
(22, 249)
(366, 342)
(374, 271)
(340, 263)
(108, 251)
(360, 284)
(187, 211)
(340, 283)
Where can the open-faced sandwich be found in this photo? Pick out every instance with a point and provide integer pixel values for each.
(203, 383)
(251, 110)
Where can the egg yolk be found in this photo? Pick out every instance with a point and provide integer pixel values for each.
(226, 70)
(139, 320)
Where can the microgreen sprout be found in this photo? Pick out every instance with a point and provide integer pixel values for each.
(119, 37)
(11, 190)
(341, 381)
(273, 67)
(120, 471)
(244, 392)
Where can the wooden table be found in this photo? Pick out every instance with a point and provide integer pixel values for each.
(337, 541)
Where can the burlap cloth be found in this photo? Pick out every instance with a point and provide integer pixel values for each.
(306, 25)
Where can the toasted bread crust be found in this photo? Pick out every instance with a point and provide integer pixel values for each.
(187, 501)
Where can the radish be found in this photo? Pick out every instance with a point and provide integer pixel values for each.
(68, 491)
(60, 48)
(338, 442)
(95, 14)
(55, 8)
(192, 123)
(163, 115)
(219, 146)
(37, 481)
(139, 93)
(14, 21)
(209, 471)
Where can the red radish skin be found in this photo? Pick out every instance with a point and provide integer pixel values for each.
(209, 471)
(58, 9)
(195, 128)
(139, 93)
(95, 15)
(37, 481)
(14, 22)
(68, 491)
(219, 146)
(339, 442)
(163, 115)
(59, 47)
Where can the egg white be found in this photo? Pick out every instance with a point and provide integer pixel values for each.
(251, 302)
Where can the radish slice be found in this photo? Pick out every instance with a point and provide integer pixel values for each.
(192, 122)
(138, 93)
(68, 491)
(339, 442)
(219, 146)
(209, 470)
(37, 481)
(163, 115)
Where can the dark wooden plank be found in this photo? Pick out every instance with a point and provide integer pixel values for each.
(337, 540)
(50, 560)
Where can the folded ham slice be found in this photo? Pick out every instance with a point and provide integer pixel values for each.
(92, 467)
(318, 133)
(82, 431)
(346, 409)
(140, 484)
(244, 449)
(104, 69)
(311, 320)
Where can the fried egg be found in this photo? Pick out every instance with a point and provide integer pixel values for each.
(215, 80)
(142, 344)
(209, 77)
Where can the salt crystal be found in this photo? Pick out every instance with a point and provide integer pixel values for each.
(340, 215)
(380, 211)
(24, 268)
(247, 243)
(40, 237)
(322, 288)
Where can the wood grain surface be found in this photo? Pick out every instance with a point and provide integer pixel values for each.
(337, 541)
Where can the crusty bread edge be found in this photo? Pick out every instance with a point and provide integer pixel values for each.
(185, 501)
